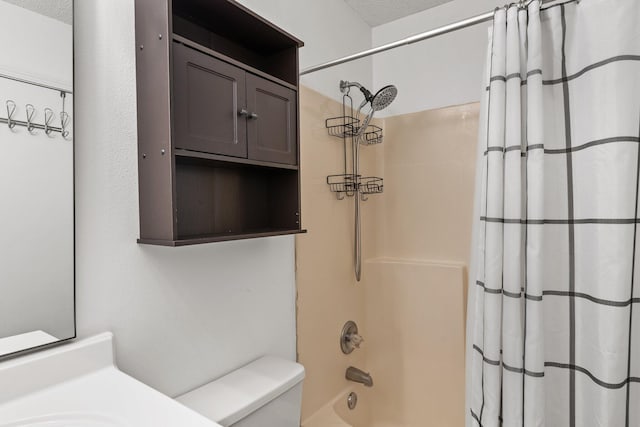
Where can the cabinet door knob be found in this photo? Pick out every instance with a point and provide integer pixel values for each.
(253, 116)
(243, 113)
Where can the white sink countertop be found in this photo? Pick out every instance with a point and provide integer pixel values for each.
(77, 385)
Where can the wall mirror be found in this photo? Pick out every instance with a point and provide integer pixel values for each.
(37, 267)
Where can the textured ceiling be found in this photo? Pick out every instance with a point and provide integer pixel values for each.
(377, 12)
(58, 9)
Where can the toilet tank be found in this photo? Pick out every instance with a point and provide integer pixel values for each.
(265, 393)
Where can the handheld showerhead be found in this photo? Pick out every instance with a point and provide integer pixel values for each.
(383, 98)
(379, 101)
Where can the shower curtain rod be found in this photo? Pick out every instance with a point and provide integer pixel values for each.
(475, 20)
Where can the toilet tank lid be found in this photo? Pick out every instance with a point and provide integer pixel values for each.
(241, 392)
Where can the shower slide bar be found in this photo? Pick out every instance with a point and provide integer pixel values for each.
(475, 20)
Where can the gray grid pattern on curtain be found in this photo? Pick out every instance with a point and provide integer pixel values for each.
(590, 236)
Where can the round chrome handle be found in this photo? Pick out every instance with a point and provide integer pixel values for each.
(253, 116)
(243, 113)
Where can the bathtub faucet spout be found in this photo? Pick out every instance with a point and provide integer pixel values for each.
(358, 376)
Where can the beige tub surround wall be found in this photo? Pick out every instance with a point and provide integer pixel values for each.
(415, 345)
(415, 297)
(410, 304)
(429, 168)
(328, 295)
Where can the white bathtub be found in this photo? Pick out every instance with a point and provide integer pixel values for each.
(336, 413)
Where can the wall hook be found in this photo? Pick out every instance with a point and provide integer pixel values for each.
(11, 109)
(64, 122)
(31, 111)
(48, 117)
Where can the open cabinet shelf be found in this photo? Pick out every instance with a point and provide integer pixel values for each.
(218, 133)
(239, 160)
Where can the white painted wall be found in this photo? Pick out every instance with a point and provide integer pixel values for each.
(34, 47)
(36, 180)
(434, 73)
(329, 29)
(181, 316)
(62, 10)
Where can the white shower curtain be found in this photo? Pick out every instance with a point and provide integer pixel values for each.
(554, 312)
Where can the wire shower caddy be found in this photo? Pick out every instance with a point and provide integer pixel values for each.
(348, 127)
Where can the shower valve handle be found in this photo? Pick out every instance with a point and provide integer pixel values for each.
(355, 340)
(349, 338)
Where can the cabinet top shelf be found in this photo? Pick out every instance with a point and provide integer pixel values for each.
(230, 19)
(197, 46)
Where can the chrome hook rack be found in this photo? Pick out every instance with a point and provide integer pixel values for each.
(31, 125)
(30, 111)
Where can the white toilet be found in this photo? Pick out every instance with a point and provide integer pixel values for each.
(264, 393)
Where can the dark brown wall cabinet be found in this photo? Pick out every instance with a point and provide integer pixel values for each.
(218, 137)
(222, 109)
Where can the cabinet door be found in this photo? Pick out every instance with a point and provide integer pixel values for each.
(208, 97)
(271, 126)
